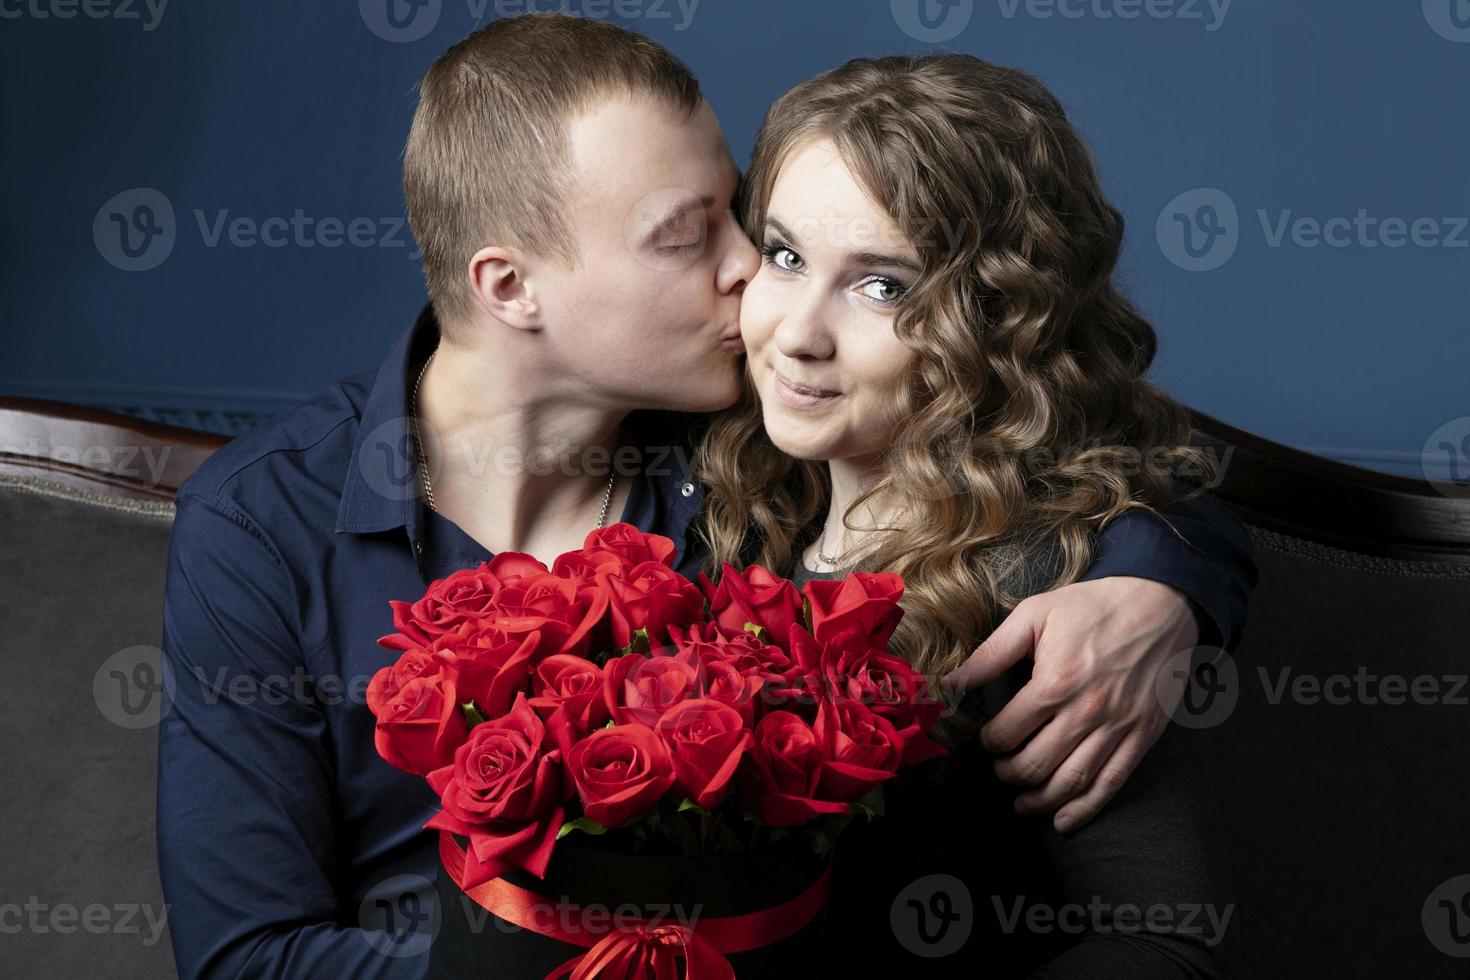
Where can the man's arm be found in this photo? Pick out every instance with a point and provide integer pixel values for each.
(245, 807)
(1213, 566)
(1099, 644)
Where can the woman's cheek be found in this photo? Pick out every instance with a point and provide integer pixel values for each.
(758, 313)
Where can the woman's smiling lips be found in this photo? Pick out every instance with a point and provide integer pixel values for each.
(801, 396)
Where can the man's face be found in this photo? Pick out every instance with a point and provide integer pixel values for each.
(650, 317)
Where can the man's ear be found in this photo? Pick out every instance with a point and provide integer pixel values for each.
(499, 278)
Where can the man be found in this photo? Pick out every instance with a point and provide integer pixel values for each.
(572, 195)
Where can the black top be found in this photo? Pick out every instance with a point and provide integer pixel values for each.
(950, 881)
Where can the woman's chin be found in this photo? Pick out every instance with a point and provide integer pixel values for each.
(794, 442)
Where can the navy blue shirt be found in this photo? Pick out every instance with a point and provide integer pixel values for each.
(287, 846)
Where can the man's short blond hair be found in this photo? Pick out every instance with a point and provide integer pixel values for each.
(488, 155)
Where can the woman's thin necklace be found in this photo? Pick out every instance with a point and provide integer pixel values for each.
(827, 559)
(424, 464)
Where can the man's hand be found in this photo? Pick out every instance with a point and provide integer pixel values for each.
(1091, 701)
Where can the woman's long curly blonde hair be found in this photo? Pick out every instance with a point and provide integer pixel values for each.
(1025, 423)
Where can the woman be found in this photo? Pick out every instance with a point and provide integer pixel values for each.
(942, 382)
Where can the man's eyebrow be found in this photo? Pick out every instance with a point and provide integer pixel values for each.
(857, 258)
(675, 213)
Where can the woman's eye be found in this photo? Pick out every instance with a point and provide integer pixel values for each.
(681, 246)
(784, 258)
(885, 291)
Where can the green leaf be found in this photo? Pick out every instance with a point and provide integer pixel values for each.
(872, 803)
(689, 804)
(757, 629)
(583, 824)
(471, 714)
(639, 644)
(806, 612)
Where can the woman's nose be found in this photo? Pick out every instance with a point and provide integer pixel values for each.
(804, 331)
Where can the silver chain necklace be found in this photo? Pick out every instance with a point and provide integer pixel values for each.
(827, 559)
(424, 464)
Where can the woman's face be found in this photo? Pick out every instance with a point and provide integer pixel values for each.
(818, 317)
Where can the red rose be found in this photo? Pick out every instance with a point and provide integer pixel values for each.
(620, 773)
(568, 695)
(416, 706)
(549, 605)
(630, 545)
(447, 604)
(862, 749)
(649, 596)
(754, 596)
(889, 687)
(504, 791)
(709, 642)
(782, 784)
(640, 689)
(861, 608)
(490, 666)
(706, 741)
(722, 681)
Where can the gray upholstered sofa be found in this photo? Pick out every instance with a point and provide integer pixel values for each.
(86, 504)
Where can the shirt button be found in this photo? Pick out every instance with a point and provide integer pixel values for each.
(687, 489)
(418, 546)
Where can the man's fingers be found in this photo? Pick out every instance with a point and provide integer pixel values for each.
(1012, 640)
(1110, 778)
(1022, 715)
(1073, 777)
(1034, 763)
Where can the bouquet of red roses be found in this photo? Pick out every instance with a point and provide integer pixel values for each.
(610, 696)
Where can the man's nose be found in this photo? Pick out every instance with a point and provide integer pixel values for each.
(741, 260)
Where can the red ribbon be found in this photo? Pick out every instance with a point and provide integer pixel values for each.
(641, 950)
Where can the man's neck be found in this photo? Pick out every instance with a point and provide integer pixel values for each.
(516, 462)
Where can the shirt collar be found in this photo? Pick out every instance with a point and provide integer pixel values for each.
(382, 489)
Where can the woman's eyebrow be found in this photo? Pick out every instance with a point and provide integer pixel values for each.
(856, 258)
(884, 259)
(781, 229)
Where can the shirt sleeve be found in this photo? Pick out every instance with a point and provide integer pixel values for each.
(246, 839)
(1210, 560)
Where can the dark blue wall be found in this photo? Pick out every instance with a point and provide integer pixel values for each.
(1204, 115)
